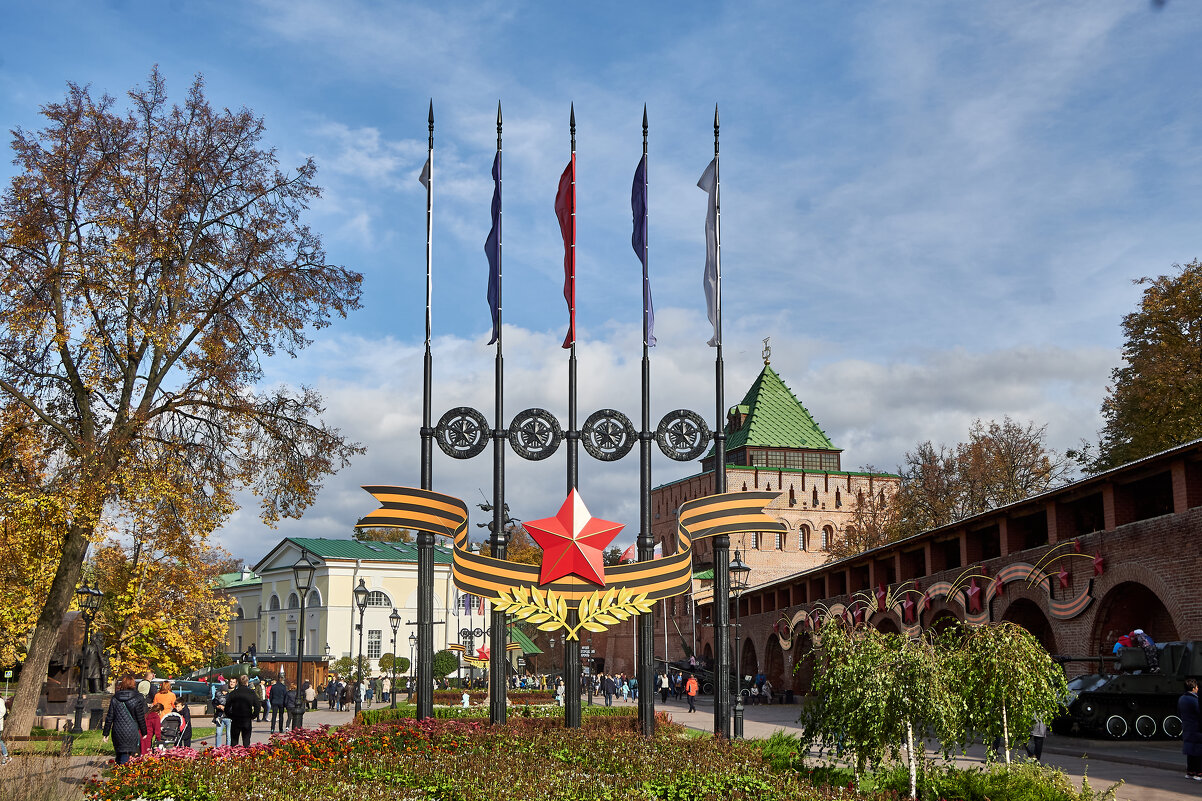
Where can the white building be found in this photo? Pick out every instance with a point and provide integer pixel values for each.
(267, 606)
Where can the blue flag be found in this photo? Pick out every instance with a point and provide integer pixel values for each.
(492, 249)
(638, 205)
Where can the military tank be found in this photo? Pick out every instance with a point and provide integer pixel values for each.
(1134, 702)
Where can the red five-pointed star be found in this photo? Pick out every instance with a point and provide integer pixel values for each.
(572, 542)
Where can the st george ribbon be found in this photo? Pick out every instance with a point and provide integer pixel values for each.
(627, 589)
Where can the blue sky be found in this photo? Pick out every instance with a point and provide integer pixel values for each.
(935, 209)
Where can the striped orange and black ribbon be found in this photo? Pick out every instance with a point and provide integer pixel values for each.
(487, 576)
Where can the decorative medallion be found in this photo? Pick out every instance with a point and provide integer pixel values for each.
(683, 435)
(608, 435)
(535, 434)
(462, 433)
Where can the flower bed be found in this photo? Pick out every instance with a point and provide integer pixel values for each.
(454, 697)
(368, 717)
(465, 761)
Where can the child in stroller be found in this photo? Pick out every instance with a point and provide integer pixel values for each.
(172, 730)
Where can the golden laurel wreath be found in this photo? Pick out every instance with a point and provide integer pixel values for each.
(549, 611)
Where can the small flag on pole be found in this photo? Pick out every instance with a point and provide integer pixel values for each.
(424, 178)
(492, 248)
(709, 184)
(638, 240)
(565, 210)
(627, 555)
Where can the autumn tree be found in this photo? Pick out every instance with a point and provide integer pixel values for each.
(1000, 463)
(1155, 401)
(162, 607)
(875, 521)
(383, 534)
(521, 547)
(152, 259)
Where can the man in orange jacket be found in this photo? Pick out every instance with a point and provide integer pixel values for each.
(690, 689)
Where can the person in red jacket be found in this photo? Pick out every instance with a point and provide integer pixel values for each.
(690, 689)
(154, 728)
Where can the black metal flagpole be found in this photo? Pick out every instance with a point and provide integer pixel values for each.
(497, 656)
(425, 540)
(722, 672)
(571, 649)
(645, 670)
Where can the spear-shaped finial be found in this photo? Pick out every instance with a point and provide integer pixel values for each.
(572, 125)
(431, 122)
(644, 120)
(715, 127)
(498, 125)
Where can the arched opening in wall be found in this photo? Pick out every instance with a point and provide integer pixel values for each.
(707, 654)
(887, 625)
(803, 658)
(1129, 606)
(944, 620)
(803, 538)
(1026, 613)
(748, 664)
(827, 534)
(293, 601)
(774, 664)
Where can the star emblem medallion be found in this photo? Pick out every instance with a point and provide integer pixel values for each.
(573, 542)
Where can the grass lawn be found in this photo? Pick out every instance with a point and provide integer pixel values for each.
(89, 743)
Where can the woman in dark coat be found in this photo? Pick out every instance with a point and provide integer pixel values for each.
(126, 720)
(1191, 736)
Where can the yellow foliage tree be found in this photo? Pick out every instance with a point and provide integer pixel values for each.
(151, 260)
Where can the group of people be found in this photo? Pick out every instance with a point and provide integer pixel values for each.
(678, 687)
(618, 685)
(143, 715)
(343, 694)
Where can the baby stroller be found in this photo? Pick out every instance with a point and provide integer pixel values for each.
(172, 731)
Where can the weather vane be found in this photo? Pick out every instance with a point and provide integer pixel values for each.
(767, 352)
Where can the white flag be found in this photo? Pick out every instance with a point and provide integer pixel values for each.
(709, 184)
(425, 176)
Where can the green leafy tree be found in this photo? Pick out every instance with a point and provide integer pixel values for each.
(445, 662)
(1155, 401)
(612, 556)
(345, 667)
(874, 691)
(383, 534)
(1007, 680)
(150, 261)
(402, 665)
(386, 661)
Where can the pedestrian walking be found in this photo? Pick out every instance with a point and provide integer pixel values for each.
(1191, 736)
(242, 707)
(125, 720)
(691, 691)
(277, 697)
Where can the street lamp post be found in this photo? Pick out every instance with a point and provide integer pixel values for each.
(394, 620)
(361, 593)
(412, 681)
(738, 583)
(589, 677)
(302, 573)
(89, 603)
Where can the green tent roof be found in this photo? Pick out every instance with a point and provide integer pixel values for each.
(368, 551)
(528, 646)
(775, 418)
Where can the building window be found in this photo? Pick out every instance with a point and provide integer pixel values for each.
(812, 461)
(238, 613)
(271, 642)
(314, 599)
(377, 598)
(293, 601)
(239, 645)
(373, 643)
(815, 503)
(827, 533)
(755, 541)
(780, 541)
(292, 641)
(803, 537)
(838, 500)
(830, 461)
(274, 606)
(793, 460)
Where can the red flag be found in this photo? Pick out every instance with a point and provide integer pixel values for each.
(481, 604)
(627, 555)
(565, 210)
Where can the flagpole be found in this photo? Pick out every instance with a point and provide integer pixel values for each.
(645, 635)
(722, 673)
(425, 540)
(496, 660)
(571, 649)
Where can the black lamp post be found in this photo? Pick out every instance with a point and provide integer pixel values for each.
(394, 620)
(361, 593)
(738, 583)
(89, 603)
(589, 677)
(302, 574)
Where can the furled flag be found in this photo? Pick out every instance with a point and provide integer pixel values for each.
(565, 210)
(424, 178)
(468, 603)
(709, 183)
(481, 598)
(492, 248)
(638, 240)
